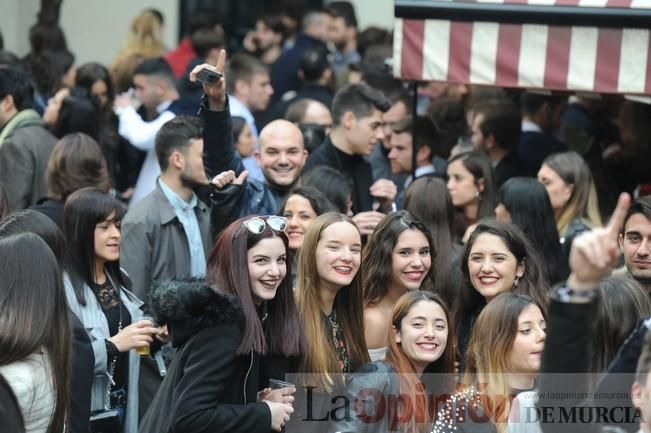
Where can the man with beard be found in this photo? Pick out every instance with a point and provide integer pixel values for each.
(635, 241)
(342, 33)
(166, 235)
(281, 157)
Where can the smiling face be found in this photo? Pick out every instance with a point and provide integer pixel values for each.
(462, 185)
(529, 341)
(282, 154)
(299, 214)
(492, 267)
(107, 240)
(267, 268)
(338, 255)
(423, 334)
(410, 260)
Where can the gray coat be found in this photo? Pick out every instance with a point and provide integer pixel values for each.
(24, 154)
(94, 320)
(154, 246)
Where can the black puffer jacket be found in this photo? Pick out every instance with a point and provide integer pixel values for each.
(204, 389)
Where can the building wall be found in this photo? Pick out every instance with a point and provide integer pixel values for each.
(96, 29)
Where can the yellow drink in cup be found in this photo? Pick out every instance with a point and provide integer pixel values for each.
(144, 350)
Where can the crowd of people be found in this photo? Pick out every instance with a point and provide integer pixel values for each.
(289, 246)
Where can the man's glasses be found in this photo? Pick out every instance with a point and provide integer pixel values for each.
(256, 225)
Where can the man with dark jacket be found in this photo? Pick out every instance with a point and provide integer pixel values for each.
(281, 158)
(569, 344)
(496, 131)
(541, 115)
(25, 143)
(357, 128)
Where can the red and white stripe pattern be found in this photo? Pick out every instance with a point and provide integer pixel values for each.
(582, 59)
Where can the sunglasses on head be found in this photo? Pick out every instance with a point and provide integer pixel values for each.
(256, 225)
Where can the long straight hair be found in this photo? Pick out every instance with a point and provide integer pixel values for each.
(227, 270)
(84, 209)
(428, 200)
(34, 315)
(487, 358)
(533, 282)
(527, 201)
(396, 357)
(583, 202)
(321, 357)
(480, 166)
(378, 252)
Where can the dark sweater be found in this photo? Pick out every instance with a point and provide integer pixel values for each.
(354, 168)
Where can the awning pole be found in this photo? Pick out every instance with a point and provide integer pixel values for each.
(414, 115)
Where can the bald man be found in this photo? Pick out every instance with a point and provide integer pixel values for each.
(281, 157)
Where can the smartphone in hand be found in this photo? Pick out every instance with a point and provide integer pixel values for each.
(208, 76)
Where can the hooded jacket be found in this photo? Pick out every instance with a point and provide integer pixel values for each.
(207, 387)
(25, 148)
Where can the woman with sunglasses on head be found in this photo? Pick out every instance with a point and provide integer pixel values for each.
(421, 341)
(329, 300)
(397, 258)
(222, 385)
(97, 295)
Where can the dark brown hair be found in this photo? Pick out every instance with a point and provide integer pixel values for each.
(377, 257)
(228, 271)
(76, 162)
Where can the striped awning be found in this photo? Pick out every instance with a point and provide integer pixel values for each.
(575, 45)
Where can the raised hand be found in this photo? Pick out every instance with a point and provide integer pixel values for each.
(594, 253)
(227, 177)
(216, 91)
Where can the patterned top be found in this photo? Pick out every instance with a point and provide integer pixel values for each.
(463, 412)
(338, 341)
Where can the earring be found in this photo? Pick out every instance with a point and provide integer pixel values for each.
(516, 281)
(478, 195)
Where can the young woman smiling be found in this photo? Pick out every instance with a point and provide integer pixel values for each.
(498, 258)
(329, 299)
(397, 258)
(420, 341)
(503, 360)
(223, 377)
(300, 208)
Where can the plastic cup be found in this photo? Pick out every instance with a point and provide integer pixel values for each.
(143, 350)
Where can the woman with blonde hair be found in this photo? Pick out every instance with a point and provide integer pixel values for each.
(143, 42)
(329, 296)
(503, 360)
(573, 195)
(329, 301)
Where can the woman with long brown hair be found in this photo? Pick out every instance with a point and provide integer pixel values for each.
(427, 199)
(397, 258)
(35, 333)
(503, 360)
(421, 341)
(329, 297)
(232, 335)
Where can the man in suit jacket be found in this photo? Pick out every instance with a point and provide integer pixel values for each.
(541, 116)
(496, 131)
